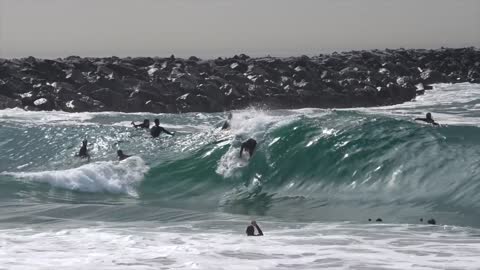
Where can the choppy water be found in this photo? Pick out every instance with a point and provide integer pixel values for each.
(184, 201)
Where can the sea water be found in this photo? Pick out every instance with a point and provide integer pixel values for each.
(183, 202)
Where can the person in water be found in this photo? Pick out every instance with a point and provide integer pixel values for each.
(157, 129)
(226, 125)
(251, 229)
(83, 153)
(428, 118)
(249, 145)
(121, 155)
(145, 124)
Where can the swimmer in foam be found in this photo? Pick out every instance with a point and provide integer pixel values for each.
(251, 229)
(83, 153)
(156, 130)
(249, 145)
(121, 155)
(428, 118)
(226, 125)
(145, 124)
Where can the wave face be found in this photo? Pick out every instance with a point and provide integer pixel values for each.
(310, 164)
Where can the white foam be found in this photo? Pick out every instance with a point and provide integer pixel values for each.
(452, 104)
(114, 177)
(43, 117)
(250, 124)
(231, 161)
(191, 246)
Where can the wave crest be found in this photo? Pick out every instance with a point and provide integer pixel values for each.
(105, 176)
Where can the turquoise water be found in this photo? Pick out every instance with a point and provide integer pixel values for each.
(313, 171)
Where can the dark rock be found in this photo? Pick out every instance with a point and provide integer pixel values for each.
(196, 103)
(194, 58)
(82, 104)
(88, 88)
(236, 78)
(6, 103)
(431, 76)
(12, 86)
(347, 79)
(187, 83)
(142, 61)
(239, 66)
(76, 76)
(243, 57)
(113, 100)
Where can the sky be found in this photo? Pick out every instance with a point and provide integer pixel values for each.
(213, 28)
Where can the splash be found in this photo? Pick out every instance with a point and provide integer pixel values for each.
(114, 177)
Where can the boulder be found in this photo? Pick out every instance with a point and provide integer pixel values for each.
(432, 76)
(113, 100)
(7, 103)
(196, 103)
(76, 76)
(82, 104)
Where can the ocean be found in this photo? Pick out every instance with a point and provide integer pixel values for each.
(184, 201)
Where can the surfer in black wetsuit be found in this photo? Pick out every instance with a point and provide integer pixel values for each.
(121, 155)
(145, 124)
(157, 129)
(428, 118)
(226, 125)
(249, 146)
(83, 153)
(251, 229)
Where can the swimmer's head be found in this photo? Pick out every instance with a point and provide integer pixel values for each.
(429, 116)
(119, 152)
(84, 142)
(157, 122)
(230, 116)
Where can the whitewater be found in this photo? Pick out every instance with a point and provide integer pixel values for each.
(183, 202)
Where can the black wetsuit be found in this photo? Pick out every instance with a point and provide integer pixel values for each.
(123, 156)
(157, 130)
(248, 145)
(251, 230)
(428, 120)
(226, 125)
(83, 152)
(142, 125)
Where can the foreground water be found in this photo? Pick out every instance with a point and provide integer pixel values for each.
(184, 201)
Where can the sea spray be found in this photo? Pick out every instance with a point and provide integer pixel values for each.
(102, 176)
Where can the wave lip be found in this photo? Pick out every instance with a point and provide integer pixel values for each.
(105, 176)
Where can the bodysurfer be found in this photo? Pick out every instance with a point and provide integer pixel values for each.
(226, 125)
(156, 130)
(428, 118)
(121, 155)
(83, 153)
(251, 229)
(249, 145)
(145, 124)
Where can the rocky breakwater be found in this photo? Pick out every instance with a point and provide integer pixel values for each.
(144, 84)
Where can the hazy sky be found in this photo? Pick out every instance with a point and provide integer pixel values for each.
(208, 28)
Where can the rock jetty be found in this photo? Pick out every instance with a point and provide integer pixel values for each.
(174, 85)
